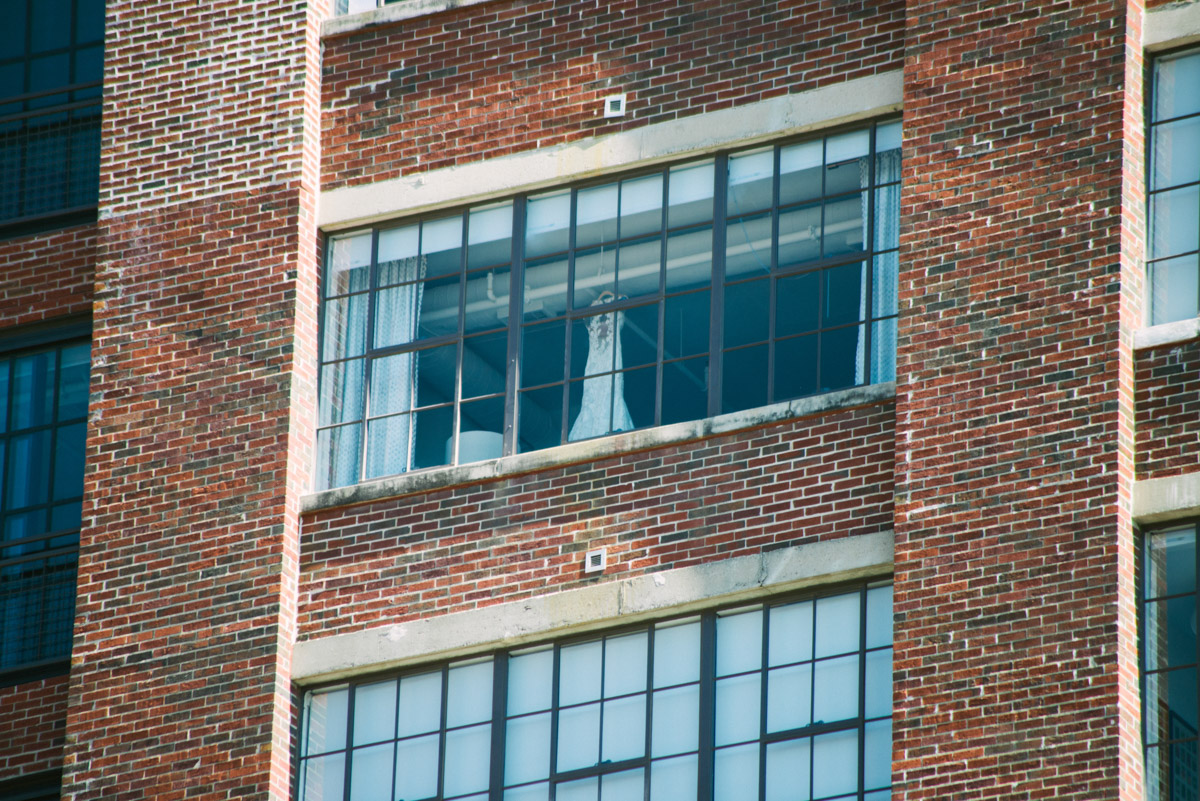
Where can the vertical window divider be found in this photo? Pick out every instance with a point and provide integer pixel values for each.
(564, 427)
(516, 326)
(649, 734)
(368, 346)
(708, 691)
(772, 276)
(349, 762)
(717, 299)
(499, 725)
(862, 691)
(442, 725)
(663, 238)
(461, 348)
(765, 675)
(554, 710)
(869, 269)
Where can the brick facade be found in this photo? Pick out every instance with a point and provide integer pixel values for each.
(1168, 410)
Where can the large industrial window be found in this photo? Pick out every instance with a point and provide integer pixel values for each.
(1174, 247)
(709, 286)
(43, 421)
(1170, 659)
(786, 700)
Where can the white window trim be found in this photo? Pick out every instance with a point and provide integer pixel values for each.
(1168, 27)
(652, 596)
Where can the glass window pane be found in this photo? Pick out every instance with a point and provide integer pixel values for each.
(675, 721)
(674, 779)
(788, 770)
(883, 350)
(799, 235)
(842, 352)
(638, 267)
(641, 205)
(417, 767)
(324, 722)
(547, 223)
(744, 379)
(580, 790)
(1177, 86)
(73, 368)
(689, 259)
(349, 260)
(625, 664)
(877, 768)
(627, 785)
(469, 694)
(337, 456)
(835, 689)
(485, 361)
(1175, 289)
(48, 29)
(527, 749)
(489, 236)
(529, 681)
(800, 171)
(434, 428)
(1170, 638)
(685, 390)
(68, 461)
(884, 284)
(539, 423)
(542, 353)
(737, 712)
(420, 704)
(1171, 705)
(579, 673)
(748, 247)
(887, 217)
(374, 712)
(468, 758)
(837, 620)
(342, 392)
(389, 445)
(797, 303)
(436, 301)
(638, 329)
(371, 773)
(789, 697)
(624, 734)
(595, 277)
(739, 642)
(596, 215)
(530, 792)
(691, 194)
(879, 616)
(736, 773)
(487, 302)
(578, 737)
(323, 778)
(879, 683)
(400, 255)
(747, 313)
(795, 367)
(846, 162)
(791, 633)
(28, 469)
(836, 756)
(441, 246)
(345, 328)
(33, 390)
(845, 226)
(685, 330)
(481, 431)
(676, 654)
(1171, 562)
(1173, 226)
(751, 176)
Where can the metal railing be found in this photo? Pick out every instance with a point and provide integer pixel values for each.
(49, 153)
(37, 599)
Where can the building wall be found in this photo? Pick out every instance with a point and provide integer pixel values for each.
(1168, 410)
(503, 77)
(33, 718)
(47, 276)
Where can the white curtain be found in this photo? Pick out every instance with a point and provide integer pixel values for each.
(397, 315)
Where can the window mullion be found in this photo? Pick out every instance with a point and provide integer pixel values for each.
(368, 357)
(553, 780)
(499, 724)
(516, 300)
(716, 316)
(708, 669)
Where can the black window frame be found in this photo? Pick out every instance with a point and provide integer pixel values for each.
(707, 681)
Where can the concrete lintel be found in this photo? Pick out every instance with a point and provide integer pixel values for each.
(646, 597)
(391, 13)
(1174, 25)
(591, 450)
(1157, 336)
(857, 99)
(1157, 500)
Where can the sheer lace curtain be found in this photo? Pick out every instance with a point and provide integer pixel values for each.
(397, 315)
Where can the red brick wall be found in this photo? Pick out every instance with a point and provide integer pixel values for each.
(202, 398)
(810, 479)
(511, 75)
(44, 276)
(32, 724)
(1168, 410)
(1007, 552)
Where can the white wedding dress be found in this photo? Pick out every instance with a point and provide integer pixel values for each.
(603, 394)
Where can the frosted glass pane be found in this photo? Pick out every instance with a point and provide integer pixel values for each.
(547, 219)
(835, 689)
(374, 712)
(371, 773)
(691, 194)
(738, 705)
(789, 697)
(879, 683)
(396, 244)
(416, 767)
(440, 243)
(837, 625)
(345, 329)
(842, 147)
(887, 136)
(527, 749)
(676, 654)
(1173, 286)
(1176, 153)
(800, 171)
(578, 737)
(325, 722)
(1177, 86)
(579, 673)
(349, 259)
(624, 735)
(878, 795)
(835, 757)
(469, 696)
(629, 785)
(1173, 215)
(533, 792)
(582, 790)
(420, 704)
(879, 616)
(596, 215)
(323, 778)
(877, 772)
(739, 642)
(788, 770)
(736, 773)
(467, 760)
(673, 779)
(791, 634)
(750, 181)
(625, 664)
(675, 721)
(641, 205)
(529, 682)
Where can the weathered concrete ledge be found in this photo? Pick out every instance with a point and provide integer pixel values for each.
(645, 597)
(1157, 336)
(392, 12)
(1173, 25)
(857, 99)
(591, 450)
(1157, 500)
